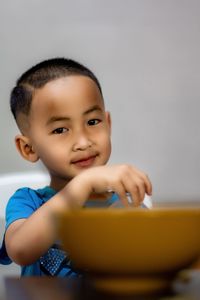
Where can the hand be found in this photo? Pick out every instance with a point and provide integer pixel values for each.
(120, 179)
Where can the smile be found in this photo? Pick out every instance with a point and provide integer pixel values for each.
(85, 162)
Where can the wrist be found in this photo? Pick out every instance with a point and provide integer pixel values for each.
(77, 191)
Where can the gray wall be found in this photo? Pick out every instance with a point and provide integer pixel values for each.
(146, 55)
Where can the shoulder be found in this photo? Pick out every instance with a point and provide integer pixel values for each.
(24, 202)
(26, 195)
(37, 196)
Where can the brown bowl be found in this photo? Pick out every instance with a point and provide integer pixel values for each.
(132, 250)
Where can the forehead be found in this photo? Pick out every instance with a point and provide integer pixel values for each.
(69, 93)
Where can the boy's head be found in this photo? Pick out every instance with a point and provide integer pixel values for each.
(40, 74)
(59, 108)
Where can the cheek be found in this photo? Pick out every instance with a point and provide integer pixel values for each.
(105, 143)
(109, 147)
(50, 154)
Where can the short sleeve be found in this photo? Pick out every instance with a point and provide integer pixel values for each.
(21, 205)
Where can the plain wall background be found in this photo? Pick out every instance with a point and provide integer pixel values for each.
(146, 56)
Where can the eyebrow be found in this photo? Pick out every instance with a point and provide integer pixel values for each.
(61, 118)
(93, 108)
(56, 119)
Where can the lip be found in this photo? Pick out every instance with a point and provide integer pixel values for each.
(85, 161)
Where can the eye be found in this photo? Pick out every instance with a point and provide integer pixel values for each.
(93, 122)
(60, 130)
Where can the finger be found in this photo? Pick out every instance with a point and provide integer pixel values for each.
(133, 192)
(135, 186)
(141, 190)
(121, 192)
(135, 195)
(148, 184)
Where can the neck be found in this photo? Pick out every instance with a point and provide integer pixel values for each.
(58, 184)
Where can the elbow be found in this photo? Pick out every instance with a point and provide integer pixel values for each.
(18, 254)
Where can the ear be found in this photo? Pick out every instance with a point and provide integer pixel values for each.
(25, 148)
(108, 120)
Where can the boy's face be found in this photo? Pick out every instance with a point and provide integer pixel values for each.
(69, 129)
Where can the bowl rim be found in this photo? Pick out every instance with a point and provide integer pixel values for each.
(157, 212)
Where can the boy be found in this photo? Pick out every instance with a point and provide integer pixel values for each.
(59, 108)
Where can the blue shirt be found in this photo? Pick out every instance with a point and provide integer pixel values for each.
(55, 262)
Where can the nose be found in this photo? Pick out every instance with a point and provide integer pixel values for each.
(81, 141)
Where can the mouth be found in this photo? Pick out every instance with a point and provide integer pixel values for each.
(85, 162)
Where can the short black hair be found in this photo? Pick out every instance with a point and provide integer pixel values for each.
(40, 74)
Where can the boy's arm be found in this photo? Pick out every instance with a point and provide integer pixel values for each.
(28, 239)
